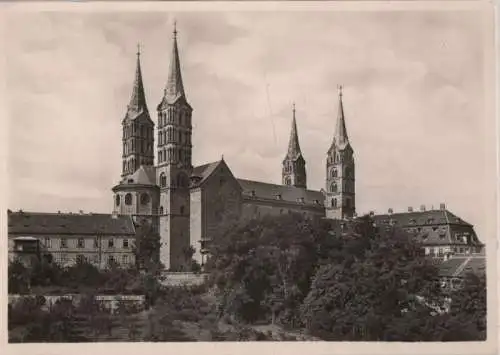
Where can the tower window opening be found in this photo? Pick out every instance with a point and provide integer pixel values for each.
(333, 187)
(117, 200)
(128, 199)
(161, 210)
(182, 210)
(334, 203)
(163, 180)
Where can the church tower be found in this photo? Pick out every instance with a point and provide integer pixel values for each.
(174, 166)
(340, 177)
(137, 194)
(138, 136)
(294, 165)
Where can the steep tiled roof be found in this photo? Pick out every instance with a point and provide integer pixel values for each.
(262, 190)
(175, 87)
(422, 218)
(341, 140)
(294, 151)
(68, 223)
(137, 103)
(202, 172)
(459, 266)
(438, 227)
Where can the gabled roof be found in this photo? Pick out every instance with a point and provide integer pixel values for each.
(262, 190)
(202, 172)
(69, 223)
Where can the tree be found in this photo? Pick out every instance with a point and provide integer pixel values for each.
(375, 279)
(263, 267)
(147, 249)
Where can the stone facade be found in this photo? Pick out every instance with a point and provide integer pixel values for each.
(70, 238)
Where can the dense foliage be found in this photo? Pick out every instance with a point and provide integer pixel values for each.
(339, 281)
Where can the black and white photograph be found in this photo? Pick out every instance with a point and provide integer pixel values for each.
(235, 172)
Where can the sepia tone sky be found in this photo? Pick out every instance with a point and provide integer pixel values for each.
(413, 99)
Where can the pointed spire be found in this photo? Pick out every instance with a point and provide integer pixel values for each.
(138, 99)
(341, 137)
(293, 145)
(174, 88)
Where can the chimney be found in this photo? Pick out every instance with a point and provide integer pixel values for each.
(81, 211)
(410, 209)
(422, 208)
(59, 212)
(442, 206)
(390, 211)
(372, 213)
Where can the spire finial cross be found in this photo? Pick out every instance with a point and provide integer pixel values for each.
(138, 49)
(340, 90)
(293, 106)
(175, 28)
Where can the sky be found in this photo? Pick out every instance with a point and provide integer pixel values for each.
(414, 101)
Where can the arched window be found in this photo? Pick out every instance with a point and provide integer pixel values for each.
(333, 187)
(334, 173)
(334, 203)
(117, 200)
(161, 210)
(288, 181)
(128, 199)
(145, 199)
(163, 180)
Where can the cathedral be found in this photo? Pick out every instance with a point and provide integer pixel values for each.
(186, 204)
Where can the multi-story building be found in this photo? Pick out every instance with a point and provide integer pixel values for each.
(69, 238)
(187, 204)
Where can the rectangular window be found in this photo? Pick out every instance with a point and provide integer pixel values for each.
(81, 243)
(63, 243)
(125, 259)
(96, 243)
(111, 260)
(111, 243)
(48, 243)
(125, 243)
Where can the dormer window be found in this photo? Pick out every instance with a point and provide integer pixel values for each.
(252, 193)
(278, 196)
(300, 200)
(412, 221)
